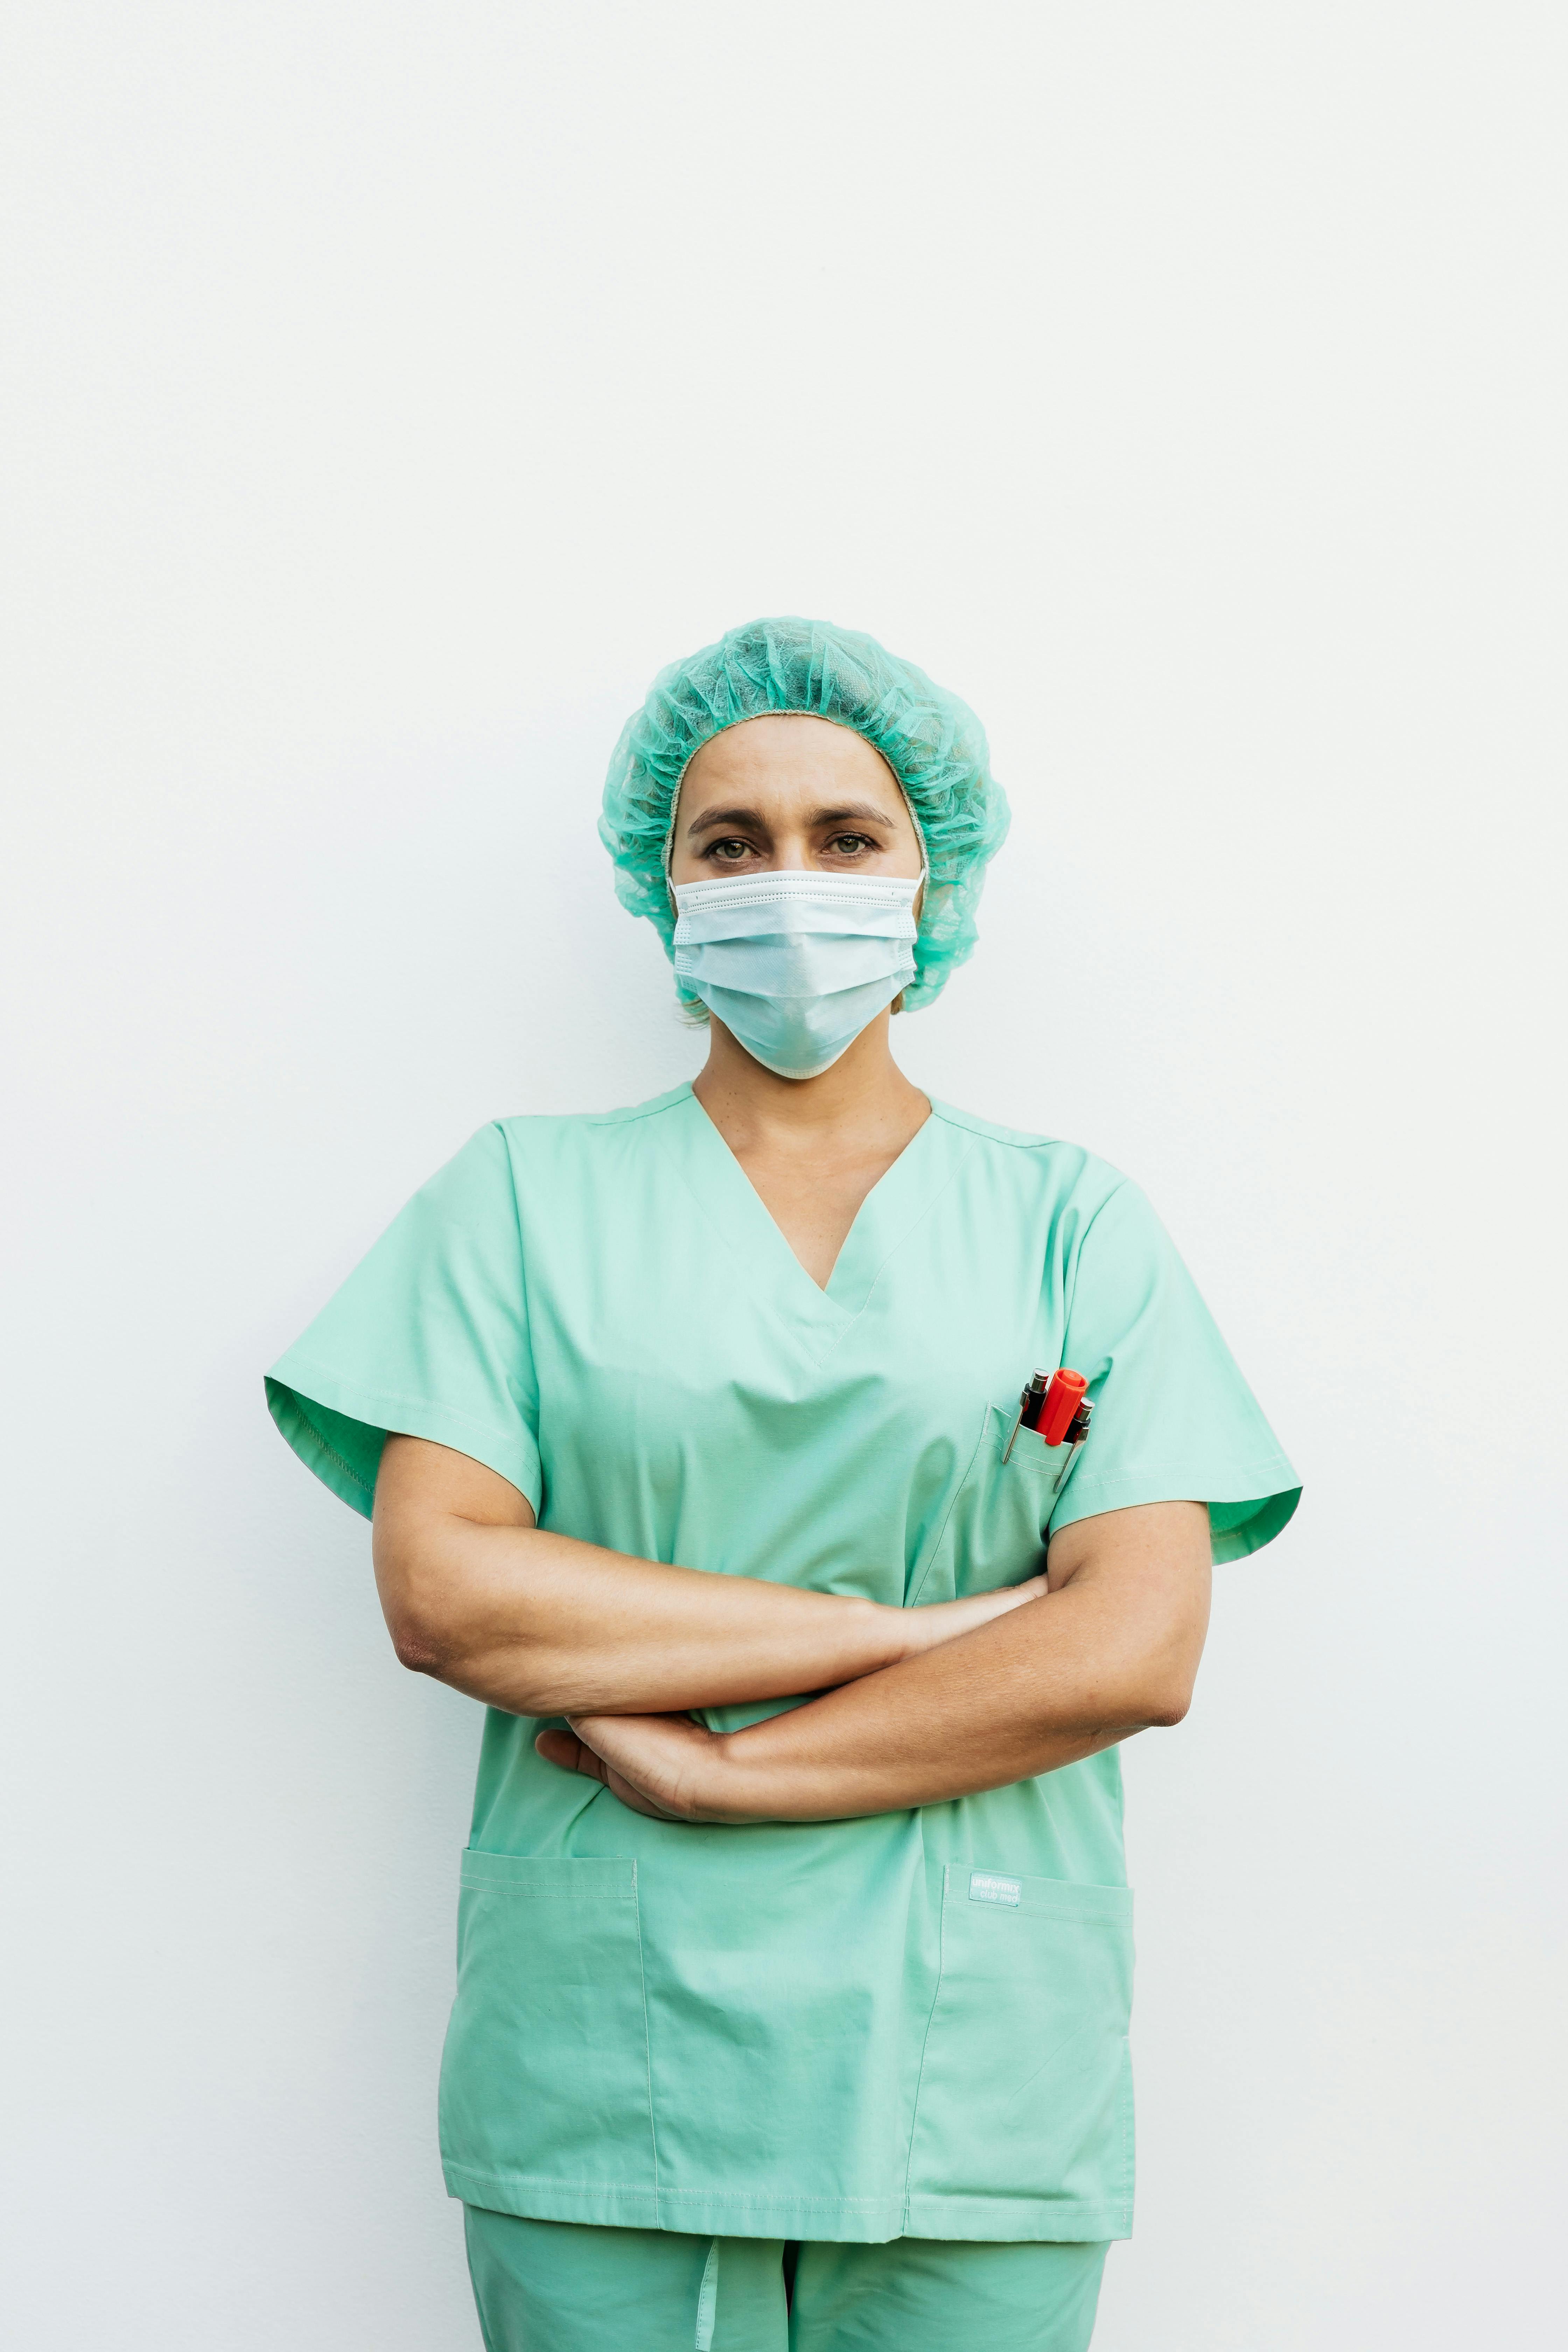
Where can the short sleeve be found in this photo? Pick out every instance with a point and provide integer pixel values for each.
(428, 1338)
(1173, 1420)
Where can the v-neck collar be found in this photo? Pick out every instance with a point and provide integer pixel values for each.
(895, 1204)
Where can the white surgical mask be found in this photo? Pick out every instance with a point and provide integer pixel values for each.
(795, 965)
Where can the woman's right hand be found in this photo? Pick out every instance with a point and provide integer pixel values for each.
(943, 1620)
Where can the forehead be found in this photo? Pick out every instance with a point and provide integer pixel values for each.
(786, 754)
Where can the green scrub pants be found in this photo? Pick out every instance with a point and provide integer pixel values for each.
(562, 2286)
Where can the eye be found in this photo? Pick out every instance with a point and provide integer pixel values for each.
(850, 844)
(733, 851)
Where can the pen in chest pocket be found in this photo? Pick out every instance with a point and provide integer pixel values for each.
(1056, 1405)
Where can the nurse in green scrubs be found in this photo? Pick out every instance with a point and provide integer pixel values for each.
(795, 1942)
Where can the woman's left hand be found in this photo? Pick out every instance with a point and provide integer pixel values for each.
(665, 1765)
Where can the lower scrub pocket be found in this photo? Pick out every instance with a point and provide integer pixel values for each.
(1025, 2097)
(544, 2077)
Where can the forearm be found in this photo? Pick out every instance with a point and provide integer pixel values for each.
(538, 1623)
(1027, 1694)
(542, 1624)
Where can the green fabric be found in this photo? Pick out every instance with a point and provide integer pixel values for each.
(911, 2024)
(554, 2286)
(932, 741)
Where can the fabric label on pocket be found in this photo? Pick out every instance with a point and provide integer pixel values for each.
(984, 1886)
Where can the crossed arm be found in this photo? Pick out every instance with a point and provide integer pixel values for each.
(919, 1705)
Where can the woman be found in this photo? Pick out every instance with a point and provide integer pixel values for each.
(795, 1944)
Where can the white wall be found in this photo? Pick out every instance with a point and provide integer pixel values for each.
(390, 391)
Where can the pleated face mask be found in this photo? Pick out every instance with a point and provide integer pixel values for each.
(795, 965)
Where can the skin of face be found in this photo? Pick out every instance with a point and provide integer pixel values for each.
(791, 793)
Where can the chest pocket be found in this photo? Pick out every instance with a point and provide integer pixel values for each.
(995, 1532)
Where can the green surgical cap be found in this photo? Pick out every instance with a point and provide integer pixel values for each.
(934, 744)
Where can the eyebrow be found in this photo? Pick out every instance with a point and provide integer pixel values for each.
(861, 811)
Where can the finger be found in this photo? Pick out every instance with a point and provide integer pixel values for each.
(574, 1755)
(633, 1797)
(570, 1753)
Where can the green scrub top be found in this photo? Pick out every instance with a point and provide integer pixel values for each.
(912, 2024)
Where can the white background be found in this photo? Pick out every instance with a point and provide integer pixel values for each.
(390, 392)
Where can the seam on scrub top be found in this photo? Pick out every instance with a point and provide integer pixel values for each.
(335, 1459)
(1011, 1139)
(527, 1317)
(1070, 1296)
(545, 2180)
(400, 1396)
(647, 2042)
(541, 1894)
(1110, 2210)
(692, 2196)
(925, 2042)
(952, 1505)
(769, 2198)
(1244, 1469)
(626, 1116)
(1106, 1484)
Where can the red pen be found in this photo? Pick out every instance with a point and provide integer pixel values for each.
(1057, 1406)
